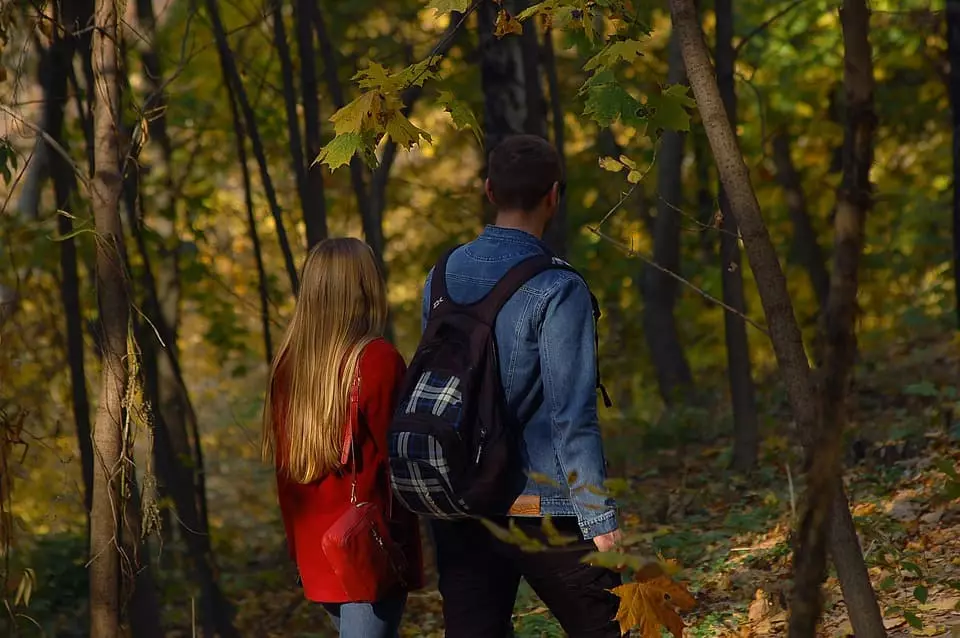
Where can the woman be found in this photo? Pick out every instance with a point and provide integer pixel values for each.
(334, 336)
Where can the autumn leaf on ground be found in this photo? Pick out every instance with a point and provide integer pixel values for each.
(651, 603)
(506, 24)
(447, 6)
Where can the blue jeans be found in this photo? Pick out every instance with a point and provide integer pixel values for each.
(369, 620)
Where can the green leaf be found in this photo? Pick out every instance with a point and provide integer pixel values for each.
(617, 561)
(608, 103)
(625, 50)
(922, 389)
(670, 108)
(948, 468)
(920, 593)
(913, 620)
(912, 567)
(541, 7)
(610, 164)
(887, 583)
(447, 6)
(340, 150)
(463, 116)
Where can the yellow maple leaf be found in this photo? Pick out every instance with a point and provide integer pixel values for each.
(651, 602)
(359, 114)
(403, 132)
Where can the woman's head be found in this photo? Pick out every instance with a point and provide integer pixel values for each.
(341, 307)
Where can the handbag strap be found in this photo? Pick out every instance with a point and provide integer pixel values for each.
(349, 448)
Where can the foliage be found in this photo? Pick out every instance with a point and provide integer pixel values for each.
(649, 603)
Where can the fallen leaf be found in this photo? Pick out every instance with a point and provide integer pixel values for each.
(759, 608)
(649, 603)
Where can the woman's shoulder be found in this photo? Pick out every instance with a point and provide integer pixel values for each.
(379, 354)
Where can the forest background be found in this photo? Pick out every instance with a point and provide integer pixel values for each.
(154, 220)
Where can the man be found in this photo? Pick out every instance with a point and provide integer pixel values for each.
(546, 344)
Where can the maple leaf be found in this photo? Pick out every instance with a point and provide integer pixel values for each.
(463, 116)
(506, 24)
(340, 150)
(626, 50)
(403, 132)
(606, 103)
(448, 6)
(358, 115)
(375, 76)
(670, 108)
(651, 602)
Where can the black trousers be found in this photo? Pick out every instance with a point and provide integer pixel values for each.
(480, 574)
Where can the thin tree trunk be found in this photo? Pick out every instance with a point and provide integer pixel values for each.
(659, 289)
(58, 60)
(168, 285)
(556, 235)
(746, 426)
(141, 599)
(805, 242)
(314, 220)
(316, 217)
(706, 202)
(180, 461)
(252, 226)
(114, 315)
(854, 201)
(771, 283)
(230, 74)
(953, 53)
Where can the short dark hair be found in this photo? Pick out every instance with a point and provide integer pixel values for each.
(522, 169)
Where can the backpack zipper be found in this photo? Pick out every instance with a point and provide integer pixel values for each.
(483, 437)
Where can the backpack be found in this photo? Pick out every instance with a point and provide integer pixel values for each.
(453, 447)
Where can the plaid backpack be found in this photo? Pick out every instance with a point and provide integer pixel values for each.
(453, 448)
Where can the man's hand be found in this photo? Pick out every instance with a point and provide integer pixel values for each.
(609, 542)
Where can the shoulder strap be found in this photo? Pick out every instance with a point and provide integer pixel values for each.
(490, 306)
(438, 281)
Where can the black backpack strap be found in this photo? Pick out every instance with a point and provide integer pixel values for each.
(438, 281)
(489, 307)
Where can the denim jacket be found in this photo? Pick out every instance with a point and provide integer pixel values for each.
(547, 353)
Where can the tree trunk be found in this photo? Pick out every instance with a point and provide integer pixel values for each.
(57, 63)
(746, 426)
(659, 289)
(509, 73)
(314, 220)
(556, 234)
(180, 461)
(141, 599)
(114, 315)
(805, 242)
(230, 74)
(953, 53)
(168, 285)
(771, 283)
(252, 226)
(854, 201)
(316, 217)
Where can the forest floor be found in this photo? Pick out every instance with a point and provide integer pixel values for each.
(730, 534)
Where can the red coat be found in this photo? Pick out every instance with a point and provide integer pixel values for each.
(309, 510)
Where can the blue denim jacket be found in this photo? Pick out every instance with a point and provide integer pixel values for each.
(545, 338)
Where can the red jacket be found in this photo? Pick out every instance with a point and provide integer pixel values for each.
(309, 510)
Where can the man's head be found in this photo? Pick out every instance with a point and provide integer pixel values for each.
(525, 178)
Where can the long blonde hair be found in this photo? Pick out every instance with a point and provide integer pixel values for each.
(342, 306)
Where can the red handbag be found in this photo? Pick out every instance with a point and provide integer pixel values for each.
(358, 546)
